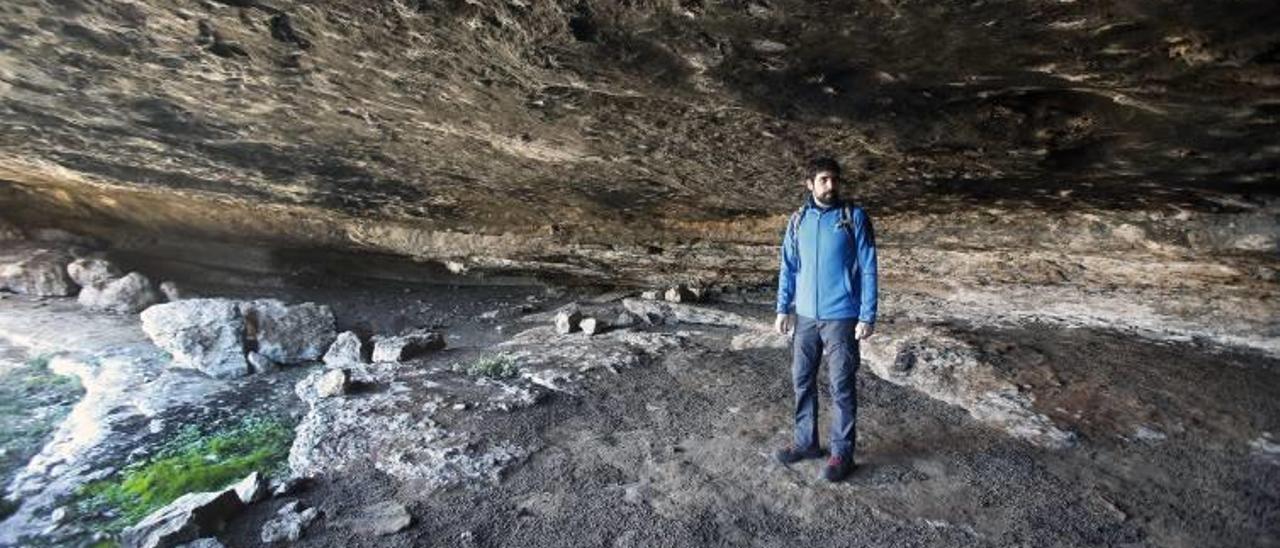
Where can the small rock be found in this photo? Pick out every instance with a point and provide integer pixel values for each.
(567, 321)
(58, 515)
(290, 486)
(625, 319)
(261, 364)
(459, 407)
(590, 326)
(90, 271)
(171, 291)
(380, 519)
(407, 346)
(347, 349)
(333, 383)
(130, 294)
(207, 542)
(680, 294)
(289, 523)
(651, 295)
(252, 488)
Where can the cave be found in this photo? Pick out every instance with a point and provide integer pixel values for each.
(521, 272)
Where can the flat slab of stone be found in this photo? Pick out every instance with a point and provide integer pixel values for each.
(186, 519)
(407, 346)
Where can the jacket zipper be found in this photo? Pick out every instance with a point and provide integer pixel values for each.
(817, 271)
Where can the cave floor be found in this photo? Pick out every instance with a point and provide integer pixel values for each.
(677, 453)
(1174, 450)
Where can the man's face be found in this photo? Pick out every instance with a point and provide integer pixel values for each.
(825, 186)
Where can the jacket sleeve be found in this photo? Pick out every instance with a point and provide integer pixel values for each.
(866, 243)
(790, 263)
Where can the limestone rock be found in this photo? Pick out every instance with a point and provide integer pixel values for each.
(261, 364)
(252, 488)
(205, 334)
(333, 383)
(130, 294)
(383, 518)
(347, 349)
(567, 321)
(680, 294)
(192, 516)
(90, 271)
(288, 333)
(407, 346)
(944, 367)
(288, 524)
(657, 312)
(650, 295)
(624, 319)
(9, 233)
(40, 273)
(171, 290)
(591, 326)
(207, 542)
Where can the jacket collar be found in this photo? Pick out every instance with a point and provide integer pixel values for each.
(810, 203)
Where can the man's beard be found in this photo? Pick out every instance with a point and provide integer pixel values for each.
(828, 198)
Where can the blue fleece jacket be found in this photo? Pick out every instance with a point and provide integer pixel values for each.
(823, 274)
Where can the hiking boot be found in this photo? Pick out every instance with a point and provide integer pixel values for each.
(790, 454)
(838, 468)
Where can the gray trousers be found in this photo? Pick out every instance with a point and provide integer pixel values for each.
(835, 338)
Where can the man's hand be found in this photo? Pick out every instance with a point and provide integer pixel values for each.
(785, 323)
(864, 330)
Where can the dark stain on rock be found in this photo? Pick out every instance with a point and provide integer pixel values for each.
(282, 29)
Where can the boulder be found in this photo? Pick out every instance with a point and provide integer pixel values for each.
(42, 273)
(90, 271)
(347, 349)
(192, 516)
(404, 347)
(170, 290)
(130, 294)
(289, 333)
(288, 524)
(567, 321)
(204, 334)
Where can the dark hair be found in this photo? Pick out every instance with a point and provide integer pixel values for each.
(820, 164)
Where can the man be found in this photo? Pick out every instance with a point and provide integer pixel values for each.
(827, 295)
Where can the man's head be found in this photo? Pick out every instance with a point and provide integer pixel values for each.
(822, 178)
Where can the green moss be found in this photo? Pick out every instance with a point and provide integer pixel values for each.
(194, 461)
(499, 366)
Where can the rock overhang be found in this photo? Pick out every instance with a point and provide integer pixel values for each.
(509, 132)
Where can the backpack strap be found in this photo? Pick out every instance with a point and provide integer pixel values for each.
(794, 228)
(846, 222)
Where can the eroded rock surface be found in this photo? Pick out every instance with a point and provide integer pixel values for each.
(203, 334)
(128, 294)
